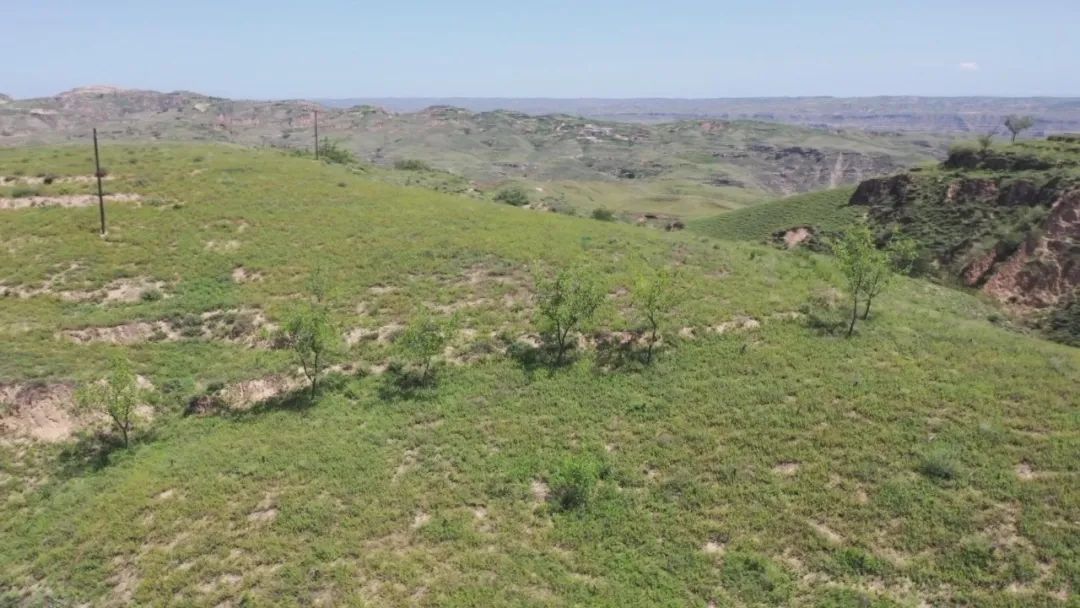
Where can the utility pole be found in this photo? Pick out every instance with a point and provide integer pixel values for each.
(316, 135)
(97, 173)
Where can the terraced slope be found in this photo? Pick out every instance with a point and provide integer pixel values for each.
(931, 459)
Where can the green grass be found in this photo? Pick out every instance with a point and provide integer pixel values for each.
(827, 210)
(431, 500)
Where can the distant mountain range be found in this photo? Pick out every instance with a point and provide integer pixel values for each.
(928, 114)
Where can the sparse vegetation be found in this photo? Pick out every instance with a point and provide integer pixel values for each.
(574, 481)
(755, 464)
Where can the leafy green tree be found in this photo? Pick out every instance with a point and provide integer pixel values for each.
(310, 332)
(985, 141)
(117, 395)
(513, 195)
(868, 268)
(653, 298)
(1017, 124)
(564, 302)
(423, 340)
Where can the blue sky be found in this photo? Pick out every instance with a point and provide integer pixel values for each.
(632, 48)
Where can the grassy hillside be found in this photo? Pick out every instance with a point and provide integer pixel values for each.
(826, 209)
(689, 168)
(931, 459)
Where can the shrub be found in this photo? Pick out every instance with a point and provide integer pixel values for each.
(411, 164)
(755, 579)
(573, 483)
(602, 214)
(513, 195)
(939, 464)
(23, 192)
(333, 152)
(151, 295)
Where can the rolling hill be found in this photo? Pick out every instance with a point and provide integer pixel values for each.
(689, 168)
(928, 460)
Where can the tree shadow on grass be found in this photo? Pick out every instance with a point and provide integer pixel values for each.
(826, 325)
(532, 358)
(615, 353)
(94, 450)
(299, 399)
(403, 383)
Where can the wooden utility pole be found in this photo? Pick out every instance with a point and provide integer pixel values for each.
(100, 194)
(316, 135)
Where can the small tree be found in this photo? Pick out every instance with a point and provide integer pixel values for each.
(311, 335)
(1017, 124)
(564, 303)
(423, 340)
(117, 395)
(985, 141)
(310, 332)
(868, 269)
(653, 298)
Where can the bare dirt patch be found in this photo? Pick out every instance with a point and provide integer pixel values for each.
(44, 412)
(247, 393)
(24, 180)
(713, 547)
(67, 201)
(736, 324)
(248, 327)
(1025, 472)
(408, 463)
(130, 333)
(827, 533)
(786, 468)
(266, 511)
(540, 491)
(118, 291)
(243, 275)
(227, 246)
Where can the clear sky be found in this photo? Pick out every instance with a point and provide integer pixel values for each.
(559, 48)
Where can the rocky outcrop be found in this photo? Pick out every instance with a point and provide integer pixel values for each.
(1014, 235)
(1046, 268)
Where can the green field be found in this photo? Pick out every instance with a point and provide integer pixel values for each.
(826, 210)
(929, 460)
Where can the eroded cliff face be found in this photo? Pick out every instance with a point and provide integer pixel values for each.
(1015, 235)
(1046, 267)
